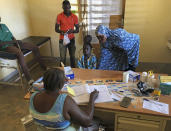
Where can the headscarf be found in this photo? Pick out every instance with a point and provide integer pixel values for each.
(102, 30)
(122, 40)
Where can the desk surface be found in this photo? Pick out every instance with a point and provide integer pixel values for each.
(85, 74)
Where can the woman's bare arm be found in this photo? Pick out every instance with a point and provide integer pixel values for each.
(74, 113)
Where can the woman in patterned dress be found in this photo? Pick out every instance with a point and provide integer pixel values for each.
(119, 49)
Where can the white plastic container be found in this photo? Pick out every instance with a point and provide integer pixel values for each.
(125, 77)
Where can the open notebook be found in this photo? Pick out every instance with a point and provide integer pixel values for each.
(82, 93)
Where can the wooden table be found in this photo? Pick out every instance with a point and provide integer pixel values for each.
(125, 119)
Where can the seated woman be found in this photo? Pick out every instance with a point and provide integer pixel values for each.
(119, 49)
(88, 60)
(52, 109)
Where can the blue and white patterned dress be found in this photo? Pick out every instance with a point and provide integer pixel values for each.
(120, 50)
(91, 62)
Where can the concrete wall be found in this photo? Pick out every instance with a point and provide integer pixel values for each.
(150, 19)
(14, 13)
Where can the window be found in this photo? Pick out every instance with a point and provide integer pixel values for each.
(92, 13)
(96, 12)
(74, 7)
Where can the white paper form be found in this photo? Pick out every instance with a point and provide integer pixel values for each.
(116, 96)
(80, 89)
(156, 106)
(104, 95)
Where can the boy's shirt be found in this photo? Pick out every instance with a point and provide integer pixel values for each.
(66, 23)
(91, 62)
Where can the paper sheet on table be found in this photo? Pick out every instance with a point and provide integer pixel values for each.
(116, 96)
(82, 98)
(156, 106)
(80, 89)
(104, 95)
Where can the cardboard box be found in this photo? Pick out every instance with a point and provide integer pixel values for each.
(68, 72)
(133, 76)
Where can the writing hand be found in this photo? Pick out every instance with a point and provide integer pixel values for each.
(94, 95)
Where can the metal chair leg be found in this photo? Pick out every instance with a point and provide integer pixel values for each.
(51, 47)
(20, 75)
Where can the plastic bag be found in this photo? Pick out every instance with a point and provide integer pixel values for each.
(66, 40)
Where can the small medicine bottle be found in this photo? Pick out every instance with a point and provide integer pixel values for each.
(144, 77)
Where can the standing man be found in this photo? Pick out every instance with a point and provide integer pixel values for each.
(66, 21)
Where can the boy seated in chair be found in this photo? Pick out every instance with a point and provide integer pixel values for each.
(9, 44)
(88, 60)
